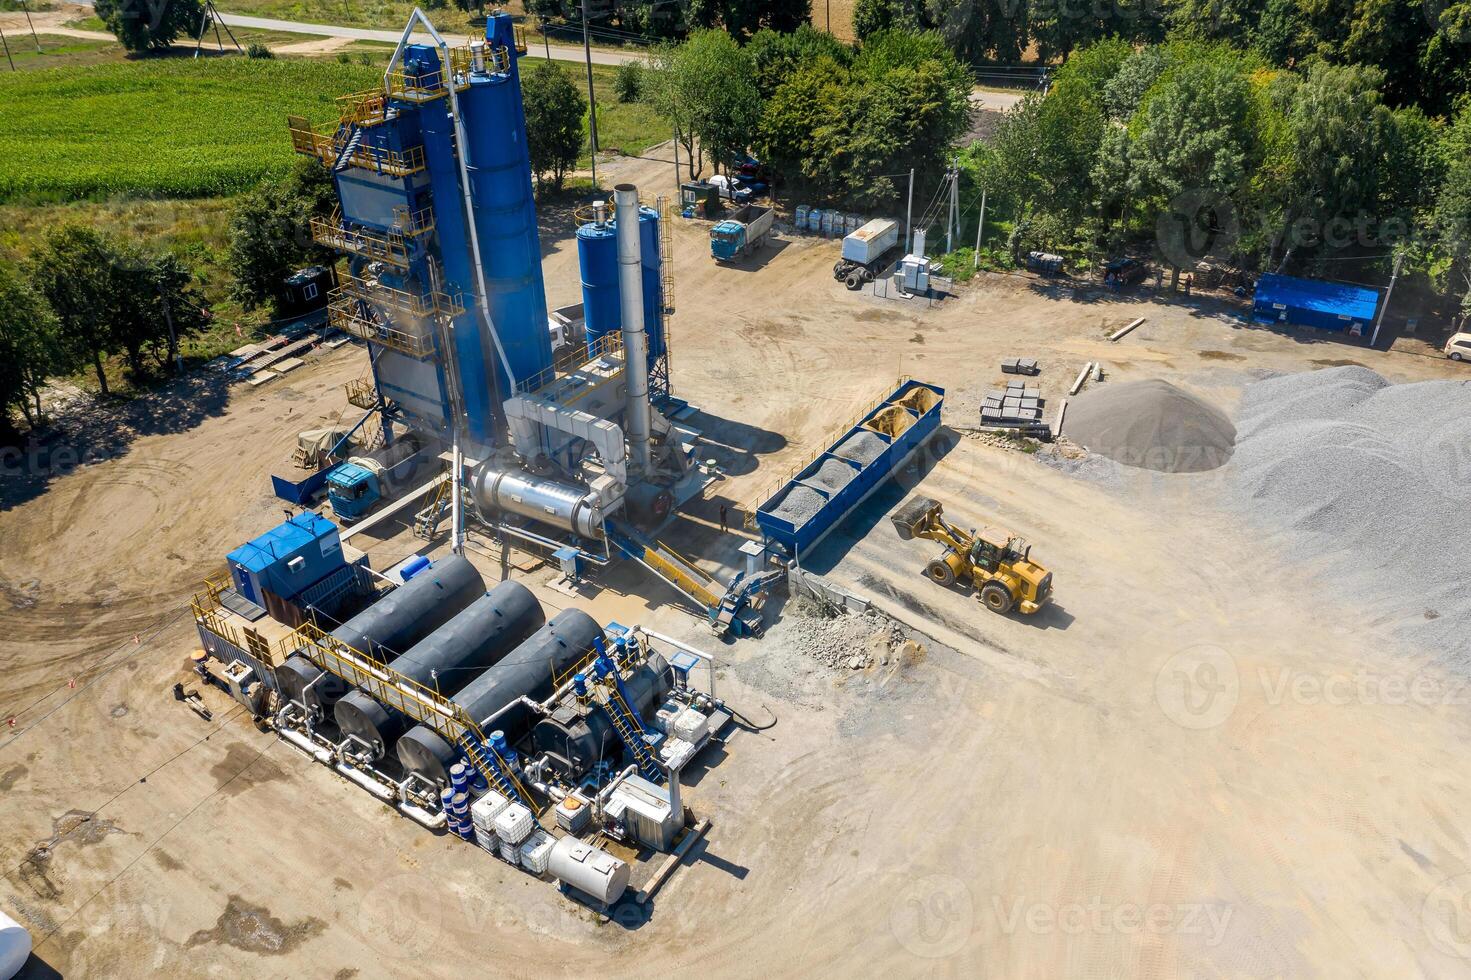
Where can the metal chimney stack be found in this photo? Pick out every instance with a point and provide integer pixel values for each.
(635, 339)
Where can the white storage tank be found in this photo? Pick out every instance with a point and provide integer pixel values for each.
(573, 814)
(513, 824)
(828, 218)
(594, 872)
(536, 851)
(15, 944)
(800, 217)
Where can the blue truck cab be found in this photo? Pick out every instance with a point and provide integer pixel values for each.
(727, 240)
(353, 491)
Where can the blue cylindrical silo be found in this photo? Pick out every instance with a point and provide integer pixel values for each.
(648, 237)
(597, 254)
(505, 215)
(597, 257)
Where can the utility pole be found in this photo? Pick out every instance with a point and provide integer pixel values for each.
(909, 215)
(1383, 307)
(546, 38)
(592, 102)
(168, 317)
(979, 227)
(952, 219)
(27, 8)
(7, 51)
(676, 162)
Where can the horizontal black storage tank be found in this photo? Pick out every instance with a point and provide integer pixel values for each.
(387, 627)
(576, 737)
(527, 671)
(479, 637)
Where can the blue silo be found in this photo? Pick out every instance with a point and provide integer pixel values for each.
(597, 255)
(505, 214)
(473, 351)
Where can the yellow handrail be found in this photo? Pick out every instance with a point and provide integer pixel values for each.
(389, 248)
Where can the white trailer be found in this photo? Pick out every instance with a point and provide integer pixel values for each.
(866, 252)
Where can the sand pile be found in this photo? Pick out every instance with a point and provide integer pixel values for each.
(1151, 425)
(1372, 478)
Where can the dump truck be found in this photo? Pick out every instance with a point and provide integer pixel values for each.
(866, 252)
(993, 561)
(739, 233)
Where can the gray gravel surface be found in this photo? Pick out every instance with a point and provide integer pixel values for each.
(1371, 479)
(799, 505)
(863, 447)
(832, 476)
(1152, 425)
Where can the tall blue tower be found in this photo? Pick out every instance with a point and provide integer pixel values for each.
(437, 219)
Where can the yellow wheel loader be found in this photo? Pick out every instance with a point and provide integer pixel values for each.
(996, 563)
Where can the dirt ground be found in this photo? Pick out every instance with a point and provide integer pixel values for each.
(1189, 765)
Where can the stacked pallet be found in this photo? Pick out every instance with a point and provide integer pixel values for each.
(1018, 404)
(1020, 365)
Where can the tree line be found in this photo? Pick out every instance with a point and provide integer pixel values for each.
(1421, 46)
(1209, 150)
(836, 122)
(81, 297)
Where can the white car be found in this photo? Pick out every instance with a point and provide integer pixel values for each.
(1458, 348)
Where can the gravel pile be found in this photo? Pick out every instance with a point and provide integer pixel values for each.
(840, 641)
(832, 476)
(1151, 425)
(1370, 478)
(799, 505)
(861, 447)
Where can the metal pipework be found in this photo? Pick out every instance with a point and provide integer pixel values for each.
(563, 505)
(635, 338)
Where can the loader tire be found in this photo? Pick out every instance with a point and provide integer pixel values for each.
(997, 597)
(854, 280)
(939, 571)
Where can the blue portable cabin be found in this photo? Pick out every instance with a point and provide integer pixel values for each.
(903, 420)
(1314, 303)
(288, 559)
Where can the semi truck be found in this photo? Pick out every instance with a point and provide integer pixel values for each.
(866, 252)
(741, 232)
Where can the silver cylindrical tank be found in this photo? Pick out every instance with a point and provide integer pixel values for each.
(563, 505)
(577, 739)
(387, 627)
(446, 660)
(592, 871)
(637, 423)
(526, 671)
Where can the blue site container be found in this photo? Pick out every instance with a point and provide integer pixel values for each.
(911, 414)
(288, 559)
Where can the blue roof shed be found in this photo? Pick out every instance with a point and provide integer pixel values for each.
(288, 559)
(1314, 303)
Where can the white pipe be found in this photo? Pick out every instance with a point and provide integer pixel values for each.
(607, 790)
(432, 821)
(306, 745)
(523, 699)
(457, 519)
(365, 781)
(709, 659)
(635, 338)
